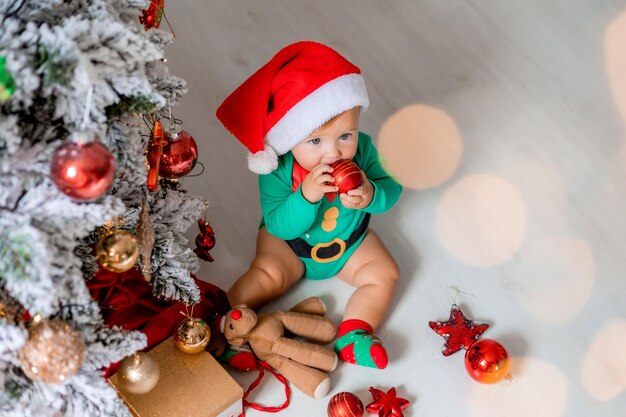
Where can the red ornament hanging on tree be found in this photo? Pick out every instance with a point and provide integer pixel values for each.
(387, 404)
(151, 17)
(179, 156)
(487, 361)
(155, 149)
(82, 171)
(347, 177)
(205, 241)
(345, 404)
(458, 331)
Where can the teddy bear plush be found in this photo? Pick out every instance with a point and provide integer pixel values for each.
(306, 365)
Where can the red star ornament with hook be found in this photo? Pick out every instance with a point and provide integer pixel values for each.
(458, 331)
(387, 404)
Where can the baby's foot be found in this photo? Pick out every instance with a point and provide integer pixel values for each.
(357, 344)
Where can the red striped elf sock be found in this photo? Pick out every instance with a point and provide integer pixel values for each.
(356, 343)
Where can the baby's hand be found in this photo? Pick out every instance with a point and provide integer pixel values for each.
(317, 183)
(360, 197)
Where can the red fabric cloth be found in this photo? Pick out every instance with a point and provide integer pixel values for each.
(126, 301)
(297, 175)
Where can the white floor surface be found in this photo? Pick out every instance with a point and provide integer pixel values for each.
(505, 121)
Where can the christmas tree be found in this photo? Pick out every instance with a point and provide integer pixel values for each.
(79, 79)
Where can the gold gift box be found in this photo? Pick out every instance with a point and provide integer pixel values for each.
(189, 386)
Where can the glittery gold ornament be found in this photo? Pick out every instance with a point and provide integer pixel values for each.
(192, 335)
(117, 251)
(145, 237)
(53, 353)
(138, 373)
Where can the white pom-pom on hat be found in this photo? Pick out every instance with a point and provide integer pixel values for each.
(263, 162)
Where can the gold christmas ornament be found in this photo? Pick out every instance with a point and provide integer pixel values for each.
(192, 335)
(145, 237)
(138, 373)
(53, 353)
(117, 251)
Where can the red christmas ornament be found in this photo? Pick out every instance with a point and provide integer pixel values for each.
(458, 331)
(82, 171)
(387, 404)
(205, 241)
(347, 177)
(179, 156)
(487, 361)
(345, 404)
(155, 149)
(151, 17)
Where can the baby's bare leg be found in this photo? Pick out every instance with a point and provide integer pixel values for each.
(374, 273)
(272, 272)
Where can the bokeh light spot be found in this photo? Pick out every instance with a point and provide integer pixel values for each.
(421, 146)
(555, 278)
(604, 368)
(538, 389)
(615, 55)
(481, 220)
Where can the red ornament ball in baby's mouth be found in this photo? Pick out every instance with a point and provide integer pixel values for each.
(347, 175)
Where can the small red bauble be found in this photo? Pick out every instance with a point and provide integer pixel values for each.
(347, 175)
(345, 404)
(487, 361)
(82, 171)
(179, 156)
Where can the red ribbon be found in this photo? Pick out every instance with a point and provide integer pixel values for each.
(268, 409)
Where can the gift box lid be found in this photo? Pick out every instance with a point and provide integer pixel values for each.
(189, 385)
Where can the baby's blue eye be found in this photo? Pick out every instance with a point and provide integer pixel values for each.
(345, 136)
(315, 141)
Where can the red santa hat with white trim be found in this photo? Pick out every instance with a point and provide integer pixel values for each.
(302, 87)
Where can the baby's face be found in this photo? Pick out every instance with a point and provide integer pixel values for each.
(336, 139)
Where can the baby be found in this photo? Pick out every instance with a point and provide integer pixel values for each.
(297, 115)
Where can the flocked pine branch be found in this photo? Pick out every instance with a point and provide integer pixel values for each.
(57, 51)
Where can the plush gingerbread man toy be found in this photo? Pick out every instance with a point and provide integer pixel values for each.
(306, 365)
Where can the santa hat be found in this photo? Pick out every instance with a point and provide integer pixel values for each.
(302, 87)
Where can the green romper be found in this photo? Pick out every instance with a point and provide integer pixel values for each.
(325, 225)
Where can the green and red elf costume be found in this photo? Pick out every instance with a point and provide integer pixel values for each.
(323, 234)
(302, 87)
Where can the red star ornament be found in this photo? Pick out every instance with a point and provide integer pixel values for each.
(387, 404)
(458, 331)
